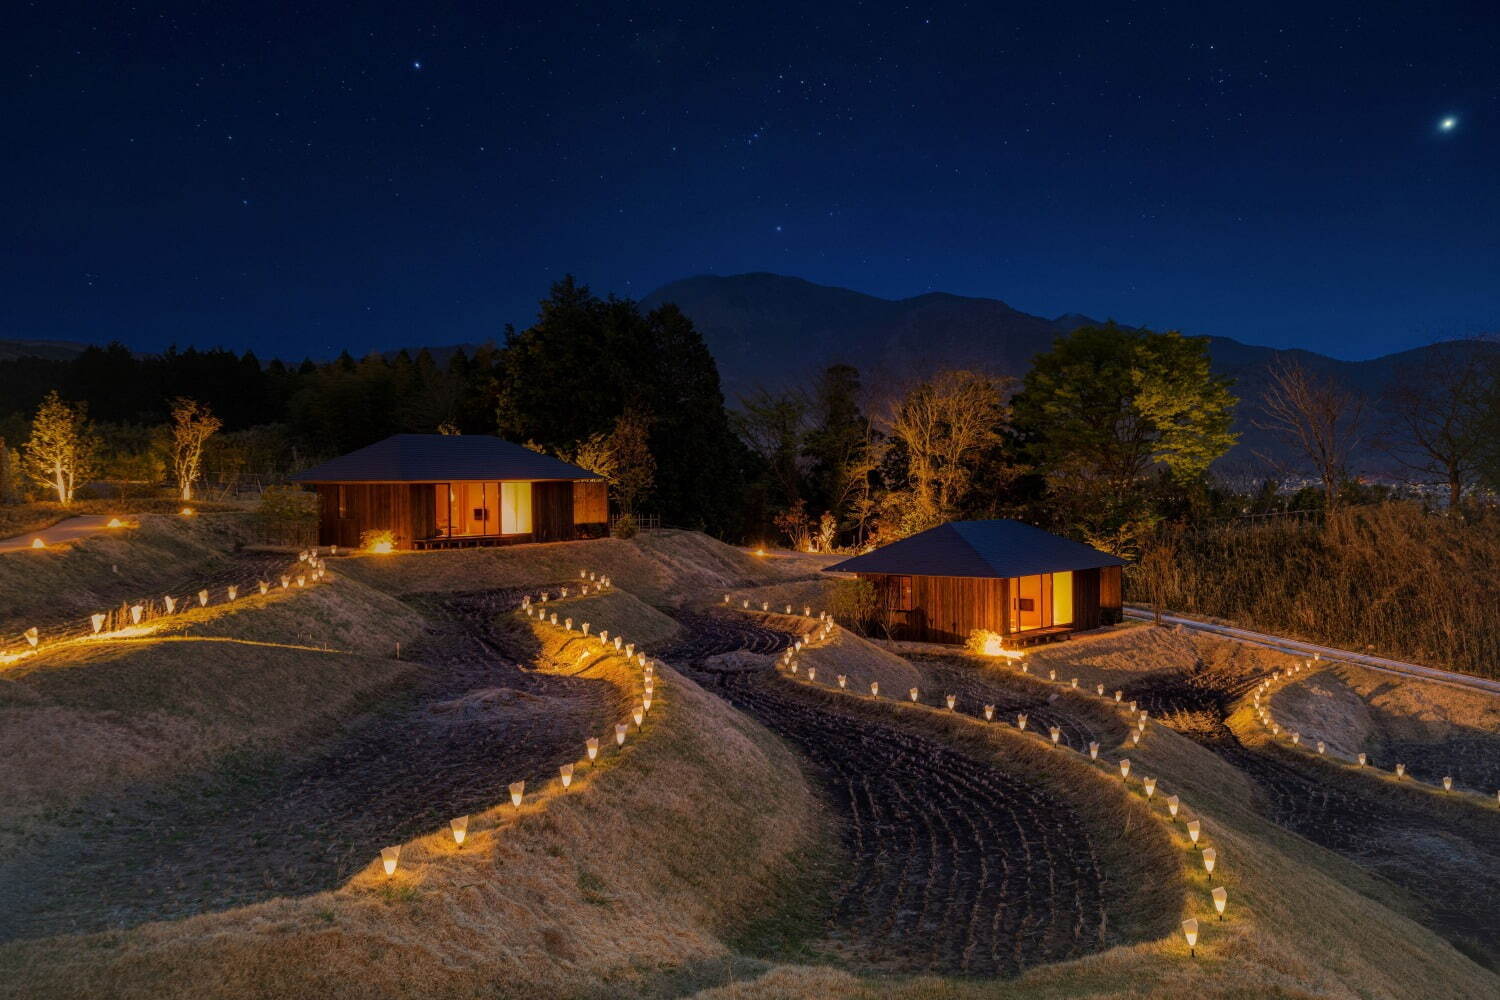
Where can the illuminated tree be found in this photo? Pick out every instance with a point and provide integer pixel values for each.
(946, 424)
(192, 425)
(61, 450)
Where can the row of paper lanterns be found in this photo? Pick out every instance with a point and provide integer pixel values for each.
(1260, 703)
(314, 572)
(1218, 895)
(533, 608)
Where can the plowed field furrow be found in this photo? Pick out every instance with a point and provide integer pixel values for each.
(957, 867)
(718, 631)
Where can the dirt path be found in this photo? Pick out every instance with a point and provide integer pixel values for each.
(474, 722)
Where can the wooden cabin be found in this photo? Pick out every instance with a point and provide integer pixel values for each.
(444, 490)
(1023, 583)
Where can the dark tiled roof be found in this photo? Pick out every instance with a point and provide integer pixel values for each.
(979, 548)
(434, 458)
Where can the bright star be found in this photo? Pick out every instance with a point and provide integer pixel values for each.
(416, 64)
(1448, 124)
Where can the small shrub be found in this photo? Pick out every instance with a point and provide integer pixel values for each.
(377, 540)
(853, 602)
(625, 526)
(984, 642)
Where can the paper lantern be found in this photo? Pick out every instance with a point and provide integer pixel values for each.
(620, 730)
(648, 682)
(460, 827)
(1221, 897)
(1210, 857)
(1275, 730)
(1021, 721)
(1125, 768)
(629, 650)
(952, 701)
(1099, 688)
(1321, 746)
(135, 613)
(1052, 675)
(1025, 669)
(115, 522)
(875, 689)
(1150, 787)
(1362, 759)
(32, 636)
(1172, 804)
(517, 790)
(301, 580)
(98, 623)
(1093, 750)
(646, 702)
(1190, 932)
(745, 604)
(1447, 783)
(37, 543)
(286, 582)
(989, 713)
(1296, 738)
(565, 774)
(1118, 696)
(264, 586)
(592, 746)
(1056, 735)
(913, 694)
(604, 635)
(390, 857)
(1193, 829)
(619, 642)
(812, 673)
(807, 612)
(765, 605)
(843, 681)
(1400, 770)
(638, 714)
(233, 592)
(1135, 737)
(1074, 682)
(552, 618)
(170, 602)
(641, 659)
(544, 597)
(1132, 707)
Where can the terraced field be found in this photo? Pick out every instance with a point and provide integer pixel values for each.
(956, 867)
(264, 828)
(712, 632)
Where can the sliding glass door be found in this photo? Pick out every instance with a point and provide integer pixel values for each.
(1041, 601)
(478, 509)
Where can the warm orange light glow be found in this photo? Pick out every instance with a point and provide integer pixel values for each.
(1190, 931)
(592, 745)
(517, 791)
(37, 543)
(1172, 803)
(389, 857)
(1193, 829)
(187, 512)
(1125, 767)
(566, 774)
(460, 827)
(115, 522)
(1221, 897)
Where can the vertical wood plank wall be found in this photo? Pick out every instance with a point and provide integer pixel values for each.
(591, 504)
(947, 608)
(551, 512)
(1110, 594)
(1085, 599)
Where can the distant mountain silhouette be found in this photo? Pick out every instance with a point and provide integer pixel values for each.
(772, 331)
(52, 350)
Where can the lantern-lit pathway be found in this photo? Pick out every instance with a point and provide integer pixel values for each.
(261, 827)
(955, 866)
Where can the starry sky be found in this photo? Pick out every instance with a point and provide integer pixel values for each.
(298, 180)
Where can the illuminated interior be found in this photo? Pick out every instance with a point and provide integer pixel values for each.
(1041, 601)
(478, 509)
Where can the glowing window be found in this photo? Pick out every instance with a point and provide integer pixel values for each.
(515, 508)
(1062, 598)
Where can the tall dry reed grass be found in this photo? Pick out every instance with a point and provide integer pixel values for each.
(1390, 579)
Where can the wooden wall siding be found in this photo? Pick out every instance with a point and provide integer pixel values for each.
(591, 502)
(552, 512)
(943, 608)
(1085, 599)
(423, 502)
(1110, 612)
(367, 507)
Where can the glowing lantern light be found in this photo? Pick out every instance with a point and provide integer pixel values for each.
(135, 613)
(286, 582)
(843, 681)
(1025, 668)
(913, 694)
(989, 713)
(638, 714)
(807, 612)
(32, 636)
(552, 618)
(646, 702)
(1056, 735)
(115, 522)
(568, 624)
(202, 598)
(390, 856)
(1275, 729)
(1172, 804)
(620, 730)
(171, 603)
(1210, 856)
(1221, 897)
(1447, 784)
(629, 650)
(1052, 675)
(604, 635)
(592, 745)
(1132, 707)
(1093, 750)
(565, 774)
(1150, 787)
(745, 604)
(517, 790)
(98, 623)
(460, 827)
(952, 701)
(619, 642)
(233, 592)
(1400, 770)
(1362, 759)
(37, 543)
(1118, 696)
(1021, 721)
(1321, 746)
(1296, 738)
(812, 673)
(1135, 738)
(641, 659)
(1125, 768)
(1099, 688)
(875, 689)
(1074, 682)
(1190, 931)
(1193, 829)
(264, 586)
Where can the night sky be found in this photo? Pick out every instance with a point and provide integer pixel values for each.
(300, 181)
